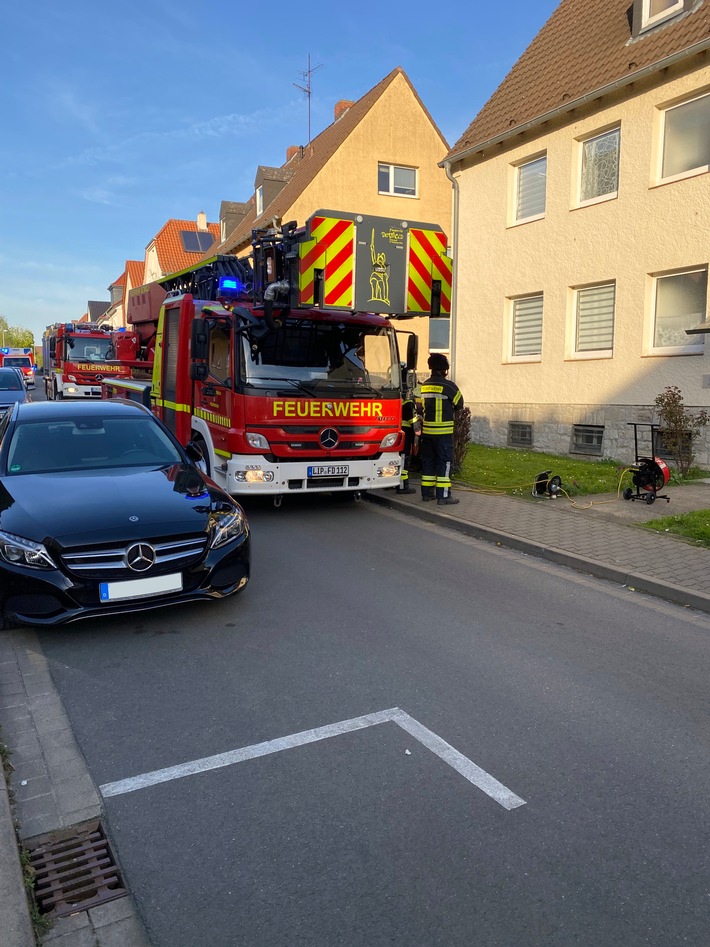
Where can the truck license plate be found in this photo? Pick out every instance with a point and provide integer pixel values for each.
(329, 470)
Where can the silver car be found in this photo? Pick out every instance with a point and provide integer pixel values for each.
(12, 388)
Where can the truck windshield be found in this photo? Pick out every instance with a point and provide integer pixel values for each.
(347, 357)
(83, 349)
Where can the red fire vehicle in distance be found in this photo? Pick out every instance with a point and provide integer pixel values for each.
(75, 356)
(285, 368)
(24, 359)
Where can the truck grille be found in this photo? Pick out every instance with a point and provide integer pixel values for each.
(169, 554)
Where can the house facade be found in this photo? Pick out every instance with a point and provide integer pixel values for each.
(582, 231)
(380, 156)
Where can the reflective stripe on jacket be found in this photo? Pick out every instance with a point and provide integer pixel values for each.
(441, 398)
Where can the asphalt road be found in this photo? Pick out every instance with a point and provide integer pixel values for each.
(588, 706)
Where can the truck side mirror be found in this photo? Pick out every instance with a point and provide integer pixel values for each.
(200, 338)
(198, 371)
(412, 351)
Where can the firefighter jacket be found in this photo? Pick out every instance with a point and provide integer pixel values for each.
(441, 398)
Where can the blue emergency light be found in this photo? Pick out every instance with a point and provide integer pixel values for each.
(230, 285)
(5, 351)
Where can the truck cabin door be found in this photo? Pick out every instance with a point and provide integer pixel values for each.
(213, 396)
(169, 374)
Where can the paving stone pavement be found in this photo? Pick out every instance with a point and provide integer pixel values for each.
(51, 784)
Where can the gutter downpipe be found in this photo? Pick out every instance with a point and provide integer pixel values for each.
(695, 50)
(453, 324)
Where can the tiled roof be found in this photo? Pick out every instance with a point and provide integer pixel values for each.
(97, 308)
(307, 162)
(135, 270)
(172, 257)
(585, 46)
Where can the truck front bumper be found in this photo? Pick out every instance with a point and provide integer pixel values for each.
(256, 476)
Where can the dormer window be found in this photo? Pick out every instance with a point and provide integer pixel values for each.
(655, 11)
(260, 201)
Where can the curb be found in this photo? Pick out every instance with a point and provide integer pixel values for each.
(600, 570)
(14, 907)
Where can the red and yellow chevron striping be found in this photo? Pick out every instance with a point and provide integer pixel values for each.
(427, 262)
(331, 249)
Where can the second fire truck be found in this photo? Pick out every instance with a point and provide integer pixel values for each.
(75, 358)
(286, 370)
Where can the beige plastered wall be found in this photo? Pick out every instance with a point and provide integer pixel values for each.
(396, 130)
(647, 229)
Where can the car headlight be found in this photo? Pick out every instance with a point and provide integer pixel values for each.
(24, 552)
(227, 526)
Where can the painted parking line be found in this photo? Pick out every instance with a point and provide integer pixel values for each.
(468, 769)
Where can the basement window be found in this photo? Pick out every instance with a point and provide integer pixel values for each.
(520, 434)
(587, 439)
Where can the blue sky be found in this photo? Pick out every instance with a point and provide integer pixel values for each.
(119, 116)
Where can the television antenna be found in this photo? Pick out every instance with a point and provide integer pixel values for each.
(307, 90)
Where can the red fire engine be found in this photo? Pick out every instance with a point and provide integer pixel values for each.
(285, 368)
(75, 359)
(24, 359)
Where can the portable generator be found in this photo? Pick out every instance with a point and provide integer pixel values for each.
(649, 475)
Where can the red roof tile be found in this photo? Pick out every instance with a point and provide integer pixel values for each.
(172, 256)
(585, 46)
(135, 270)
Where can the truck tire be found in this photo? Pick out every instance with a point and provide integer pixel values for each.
(58, 395)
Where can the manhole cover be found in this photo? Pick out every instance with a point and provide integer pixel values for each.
(74, 870)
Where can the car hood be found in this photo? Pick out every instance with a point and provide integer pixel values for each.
(76, 507)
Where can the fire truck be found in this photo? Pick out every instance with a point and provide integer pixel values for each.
(24, 359)
(285, 367)
(75, 359)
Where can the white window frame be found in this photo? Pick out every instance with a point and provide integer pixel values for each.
(433, 348)
(391, 169)
(573, 354)
(696, 347)
(511, 306)
(648, 20)
(259, 195)
(581, 144)
(661, 141)
(516, 169)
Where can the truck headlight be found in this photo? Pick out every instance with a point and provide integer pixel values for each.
(24, 552)
(227, 526)
(389, 470)
(257, 440)
(389, 440)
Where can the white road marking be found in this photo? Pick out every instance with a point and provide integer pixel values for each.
(474, 774)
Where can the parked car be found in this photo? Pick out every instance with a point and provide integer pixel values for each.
(12, 388)
(103, 512)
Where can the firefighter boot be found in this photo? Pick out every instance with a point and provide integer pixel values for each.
(447, 501)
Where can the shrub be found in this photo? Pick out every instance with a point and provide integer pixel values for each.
(462, 436)
(679, 426)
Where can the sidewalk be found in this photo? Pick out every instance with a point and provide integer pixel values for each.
(598, 536)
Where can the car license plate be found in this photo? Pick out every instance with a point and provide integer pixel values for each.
(140, 588)
(329, 470)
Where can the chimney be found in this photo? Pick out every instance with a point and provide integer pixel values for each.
(202, 220)
(291, 151)
(341, 108)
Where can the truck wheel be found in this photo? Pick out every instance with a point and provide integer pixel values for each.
(58, 395)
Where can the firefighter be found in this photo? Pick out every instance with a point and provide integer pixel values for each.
(411, 427)
(441, 398)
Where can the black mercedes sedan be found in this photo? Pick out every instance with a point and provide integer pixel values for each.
(103, 512)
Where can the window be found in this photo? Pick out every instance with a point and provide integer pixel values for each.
(654, 11)
(587, 439)
(680, 302)
(531, 186)
(527, 326)
(392, 179)
(600, 166)
(196, 241)
(686, 138)
(520, 434)
(439, 334)
(594, 325)
(259, 201)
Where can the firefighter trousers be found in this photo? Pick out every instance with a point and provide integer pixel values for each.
(437, 454)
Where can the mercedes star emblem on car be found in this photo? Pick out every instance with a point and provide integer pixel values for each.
(140, 557)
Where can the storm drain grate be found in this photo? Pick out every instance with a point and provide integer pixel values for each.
(74, 870)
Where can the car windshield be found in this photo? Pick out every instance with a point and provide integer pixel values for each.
(89, 443)
(10, 381)
(310, 354)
